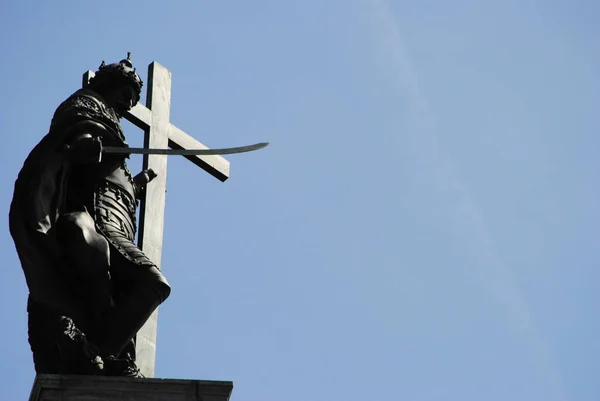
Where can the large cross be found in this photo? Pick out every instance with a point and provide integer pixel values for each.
(159, 133)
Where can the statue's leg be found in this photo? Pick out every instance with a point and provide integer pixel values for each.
(87, 253)
(146, 287)
(86, 268)
(128, 351)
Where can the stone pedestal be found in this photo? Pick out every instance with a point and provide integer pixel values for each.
(98, 388)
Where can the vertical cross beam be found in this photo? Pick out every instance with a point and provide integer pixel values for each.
(152, 209)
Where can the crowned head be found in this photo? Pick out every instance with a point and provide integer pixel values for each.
(119, 84)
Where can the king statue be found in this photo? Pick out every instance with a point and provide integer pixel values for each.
(73, 221)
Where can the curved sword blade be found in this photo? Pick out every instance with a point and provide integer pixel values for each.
(184, 152)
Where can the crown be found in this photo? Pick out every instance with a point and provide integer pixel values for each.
(121, 73)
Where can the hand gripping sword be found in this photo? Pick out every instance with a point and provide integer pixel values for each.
(182, 152)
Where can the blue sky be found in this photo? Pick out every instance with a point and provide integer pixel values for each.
(424, 225)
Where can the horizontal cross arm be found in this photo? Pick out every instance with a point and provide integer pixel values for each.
(140, 116)
(217, 166)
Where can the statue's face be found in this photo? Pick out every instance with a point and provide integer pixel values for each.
(122, 99)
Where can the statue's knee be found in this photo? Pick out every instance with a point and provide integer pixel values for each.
(74, 228)
(159, 284)
(154, 285)
(76, 233)
(68, 223)
(163, 288)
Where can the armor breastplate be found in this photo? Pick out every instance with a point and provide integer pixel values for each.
(115, 216)
(121, 177)
(115, 211)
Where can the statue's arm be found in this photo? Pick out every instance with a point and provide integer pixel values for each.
(141, 180)
(84, 142)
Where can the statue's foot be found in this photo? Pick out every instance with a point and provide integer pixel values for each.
(78, 356)
(121, 367)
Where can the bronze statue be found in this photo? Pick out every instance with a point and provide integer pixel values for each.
(73, 221)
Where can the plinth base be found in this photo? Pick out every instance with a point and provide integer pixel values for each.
(99, 388)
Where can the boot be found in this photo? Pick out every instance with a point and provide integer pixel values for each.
(76, 354)
(124, 367)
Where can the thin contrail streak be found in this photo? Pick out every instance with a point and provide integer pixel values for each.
(493, 271)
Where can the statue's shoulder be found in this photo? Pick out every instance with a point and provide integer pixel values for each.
(83, 100)
(86, 104)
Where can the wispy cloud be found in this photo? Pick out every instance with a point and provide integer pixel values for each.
(470, 220)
